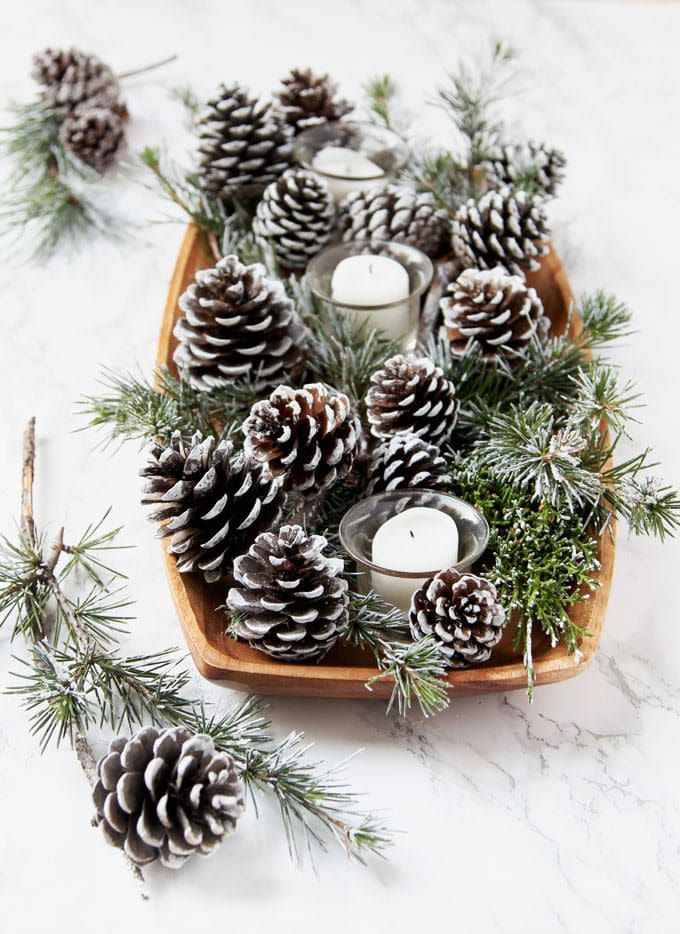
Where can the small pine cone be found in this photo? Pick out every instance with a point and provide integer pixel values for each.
(509, 164)
(503, 228)
(237, 322)
(212, 505)
(308, 436)
(494, 312)
(406, 461)
(167, 794)
(410, 395)
(93, 135)
(296, 215)
(394, 212)
(71, 77)
(306, 100)
(461, 613)
(292, 602)
(243, 145)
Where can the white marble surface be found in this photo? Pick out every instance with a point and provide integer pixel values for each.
(560, 816)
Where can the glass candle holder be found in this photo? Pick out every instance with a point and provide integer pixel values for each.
(435, 538)
(397, 319)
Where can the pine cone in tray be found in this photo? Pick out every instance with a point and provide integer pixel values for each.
(461, 612)
(93, 135)
(306, 100)
(503, 228)
(167, 794)
(406, 461)
(395, 212)
(510, 164)
(494, 312)
(243, 144)
(296, 215)
(291, 602)
(212, 505)
(237, 322)
(307, 436)
(70, 77)
(410, 395)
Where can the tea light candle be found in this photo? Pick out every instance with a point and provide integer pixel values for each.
(368, 281)
(347, 170)
(418, 540)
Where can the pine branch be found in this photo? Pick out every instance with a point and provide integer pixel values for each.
(380, 91)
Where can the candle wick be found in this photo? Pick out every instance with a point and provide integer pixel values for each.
(410, 532)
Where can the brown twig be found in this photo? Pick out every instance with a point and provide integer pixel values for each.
(27, 477)
(214, 245)
(140, 71)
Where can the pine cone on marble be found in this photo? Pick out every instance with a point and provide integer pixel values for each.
(210, 504)
(243, 144)
(306, 100)
(296, 215)
(93, 135)
(167, 794)
(406, 461)
(493, 312)
(410, 395)
(307, 436)
(503, 228)
(70, 77)
(395, 212)
(543, 164)
(237, 323)
(461, 612)
(292, 600)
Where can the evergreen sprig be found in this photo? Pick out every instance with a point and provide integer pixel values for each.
(380, 91)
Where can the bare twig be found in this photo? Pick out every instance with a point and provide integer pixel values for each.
(214, 245)
(27, 477)
(140, 71)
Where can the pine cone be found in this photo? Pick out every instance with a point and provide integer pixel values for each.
(212, 505)
(503, 228)
(237, 322)
(308, 436)
(406, 461)
(296, 215)
(307, 100)
(394, 212)
(462, 613)
(93, 135)
(292, 602)
(243, 145)
(509, 164)
(71, 77)
(167, 794)
(410, 395)
(494, 312)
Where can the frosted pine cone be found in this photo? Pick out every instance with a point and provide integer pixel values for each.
(291, 602)
(167, 794)
(307, 100)
(493, 312)
(410, 395)
(296, 215)
(307, 436)
(93, 135)
(503, 228)
(71, 77)
(536, 162)
(237, 322)
(212, 505)
(461, 613)
(406, 461)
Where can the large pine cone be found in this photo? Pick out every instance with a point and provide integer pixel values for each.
(292, 602)
(461, 613)
(406, 461)
(237, 322)
(510, 165)
(503, 228)
(410, 395)
(307, 100)
(93, 135)
(71, 77)
(167, 794)
(394, 212)
(212, 505)
(296, 215)
(494, 312)
(243, 144)
(308, 436)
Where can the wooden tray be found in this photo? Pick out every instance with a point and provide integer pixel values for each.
(344, 670)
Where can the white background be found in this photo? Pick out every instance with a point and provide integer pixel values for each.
(561, 816)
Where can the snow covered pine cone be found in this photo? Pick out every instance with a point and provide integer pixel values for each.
(167, 794)
(461, 612)
(296, 215)
(93, 135)
(306, 100)
(237, 322)
(291, 602)
(503, 228)
(411, 395)
(406, 461)
(243, 144)
(212, 505)
(307, 436)
(70, 77)
(494, 312)
(512, 163)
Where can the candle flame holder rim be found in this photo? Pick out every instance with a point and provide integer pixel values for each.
(312, 140)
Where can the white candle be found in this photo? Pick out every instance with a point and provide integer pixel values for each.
(347, 170)
(418, 540)
(370, 281)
